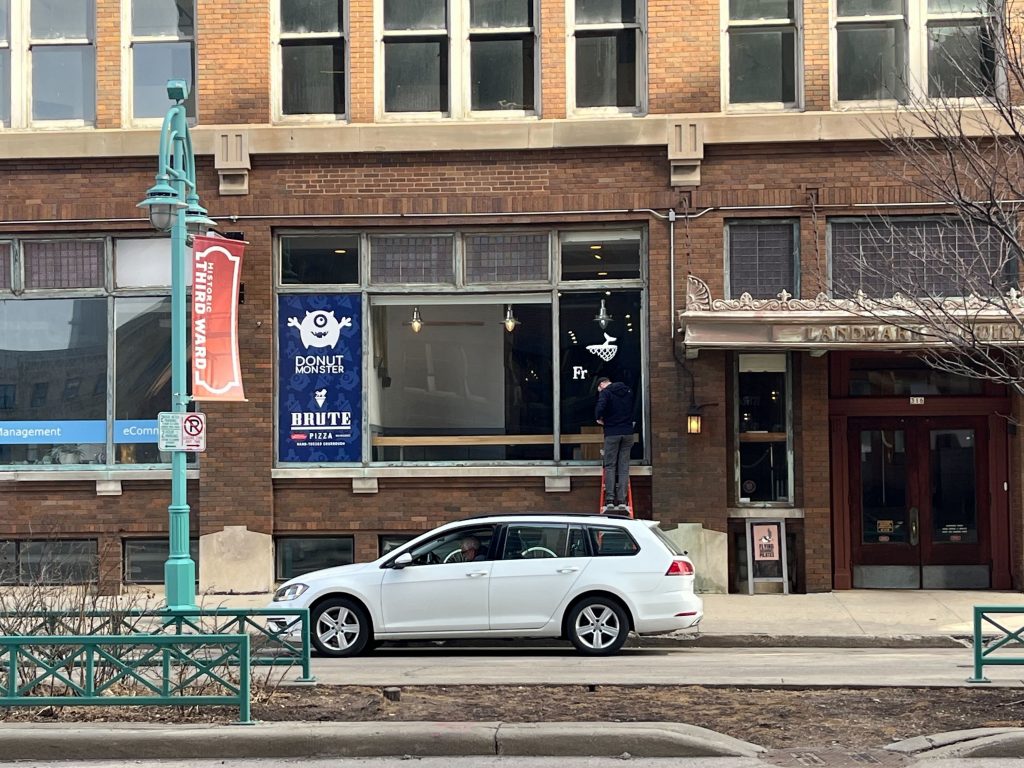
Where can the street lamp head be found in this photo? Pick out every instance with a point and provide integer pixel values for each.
(196, 220)
(162, 202)
(177, 90)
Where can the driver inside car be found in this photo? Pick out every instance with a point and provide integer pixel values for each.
(471, 549)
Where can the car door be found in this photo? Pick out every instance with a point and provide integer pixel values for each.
(537, 567)
(439, 592)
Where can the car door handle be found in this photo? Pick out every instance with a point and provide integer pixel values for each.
(476, 574)
(574, 569)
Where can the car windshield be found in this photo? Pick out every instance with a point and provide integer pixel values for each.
(664, 539)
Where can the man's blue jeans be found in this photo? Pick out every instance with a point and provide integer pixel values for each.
(616, 467)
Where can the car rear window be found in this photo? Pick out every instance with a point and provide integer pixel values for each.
(609, 540)
(664, 539)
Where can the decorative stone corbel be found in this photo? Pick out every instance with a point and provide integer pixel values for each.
(231, 158)
(685, 151)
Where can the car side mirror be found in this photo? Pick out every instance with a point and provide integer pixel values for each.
(401, 561)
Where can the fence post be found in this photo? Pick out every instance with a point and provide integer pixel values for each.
(244, 681)
(978, 649)
(307, 673)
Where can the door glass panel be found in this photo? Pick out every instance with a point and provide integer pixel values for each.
(883, 481)
(529, 542)
(953, 488)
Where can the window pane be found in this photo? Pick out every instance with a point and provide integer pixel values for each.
(48, 345)
(54, 19)
(169, 18)
(464, 379)
(762, 65)
(605, 11)
(415, 14)
(953, 481)
(600, 255)
(870, 61)
(399, 259)
(313, 77)
(416, 76)
(890, 378)
(502, 72)
(145, 263)
(64, 82)
(296, 556)
(961, 61)
(63, 263)
(760, 9)
(588, 352)
(5, 25)
(8, 562)
(506, 258)
(142, 379)
(58, 562)
(5, 266)
(761, 259)
(144, 559)
(5, 87)
(611, 541)
(960, 6)
(155, 64)
(883, 480)
(764, 472)
(870, 7)
(385, 543)
(527, 542)
(320, 260)
(300, 16)
(606, 69)
(500, 13)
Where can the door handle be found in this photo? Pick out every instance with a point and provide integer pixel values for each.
(914, 525)
(476, 574)
(568, 570)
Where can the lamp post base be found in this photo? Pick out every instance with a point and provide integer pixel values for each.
(180, 581)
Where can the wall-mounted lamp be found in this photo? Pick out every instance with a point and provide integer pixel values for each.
(417, 321)
(693, 419)
(510, 320)
(602, 318)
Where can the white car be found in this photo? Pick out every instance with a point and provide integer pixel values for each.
(589, 578)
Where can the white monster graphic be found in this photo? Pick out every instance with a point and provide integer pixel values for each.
(319, 328)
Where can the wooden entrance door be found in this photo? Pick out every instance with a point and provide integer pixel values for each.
(919, 502)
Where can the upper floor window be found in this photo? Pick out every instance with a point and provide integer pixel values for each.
(764, 51)
(54, 40)
(891, 49)
(457, 57)
(936, 256)
(608, 42)
(763, 258)
(312, 51)
(161, 47)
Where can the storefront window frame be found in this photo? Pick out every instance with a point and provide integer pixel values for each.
(790, 453)
(554, 286)
(110, 293)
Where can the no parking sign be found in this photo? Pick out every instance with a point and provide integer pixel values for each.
(182, 432)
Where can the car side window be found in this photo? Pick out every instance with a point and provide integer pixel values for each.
(526, 542)
(458, 546)
(577, 542)
(608, 540)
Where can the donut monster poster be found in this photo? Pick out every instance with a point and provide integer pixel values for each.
(320, 388)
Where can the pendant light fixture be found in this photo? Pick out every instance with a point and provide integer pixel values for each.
(602, 318)
(417, 321)
(510, 320)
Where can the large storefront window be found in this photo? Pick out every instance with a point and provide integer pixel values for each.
(77, 314)
(480, 346)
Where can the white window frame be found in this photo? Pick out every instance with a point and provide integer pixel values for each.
(276, 64)
(20, 44)
(458, 34)
(797, 23)
(128, 40)
(943, 19)
(916, 21)
(571, 28)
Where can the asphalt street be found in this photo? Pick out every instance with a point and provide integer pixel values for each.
(486, 762)
(845, 667)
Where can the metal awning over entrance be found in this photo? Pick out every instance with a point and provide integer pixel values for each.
(823, 323)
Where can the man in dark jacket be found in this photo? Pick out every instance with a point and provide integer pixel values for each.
(615, 413)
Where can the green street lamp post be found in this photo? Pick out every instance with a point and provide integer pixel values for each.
(173, 204)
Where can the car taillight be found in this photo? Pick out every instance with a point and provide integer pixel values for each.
(680, 568)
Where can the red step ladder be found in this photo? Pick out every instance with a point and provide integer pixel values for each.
(629, 495)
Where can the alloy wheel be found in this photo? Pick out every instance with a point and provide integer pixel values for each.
(338, 628)
(597, 627)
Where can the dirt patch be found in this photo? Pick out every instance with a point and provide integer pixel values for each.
(774, 718)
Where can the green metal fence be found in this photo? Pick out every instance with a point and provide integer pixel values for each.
(272, 645)
(983, 652)
(90, 670)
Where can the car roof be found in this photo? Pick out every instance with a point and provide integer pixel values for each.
(547, 517)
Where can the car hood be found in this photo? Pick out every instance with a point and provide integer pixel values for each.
(313, 578)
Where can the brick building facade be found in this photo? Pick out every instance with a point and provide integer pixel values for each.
(675, 170)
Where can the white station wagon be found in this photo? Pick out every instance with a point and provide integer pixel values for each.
(588, 578)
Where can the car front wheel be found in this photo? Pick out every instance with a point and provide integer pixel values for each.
(597, 626)
(340, 628)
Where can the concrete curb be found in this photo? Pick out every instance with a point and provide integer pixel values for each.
(107, 741)
(977, 742)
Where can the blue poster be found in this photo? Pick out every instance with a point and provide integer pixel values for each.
(320, 388)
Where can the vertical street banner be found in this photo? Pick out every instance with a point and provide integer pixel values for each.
(320, 389)
(216, 272)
